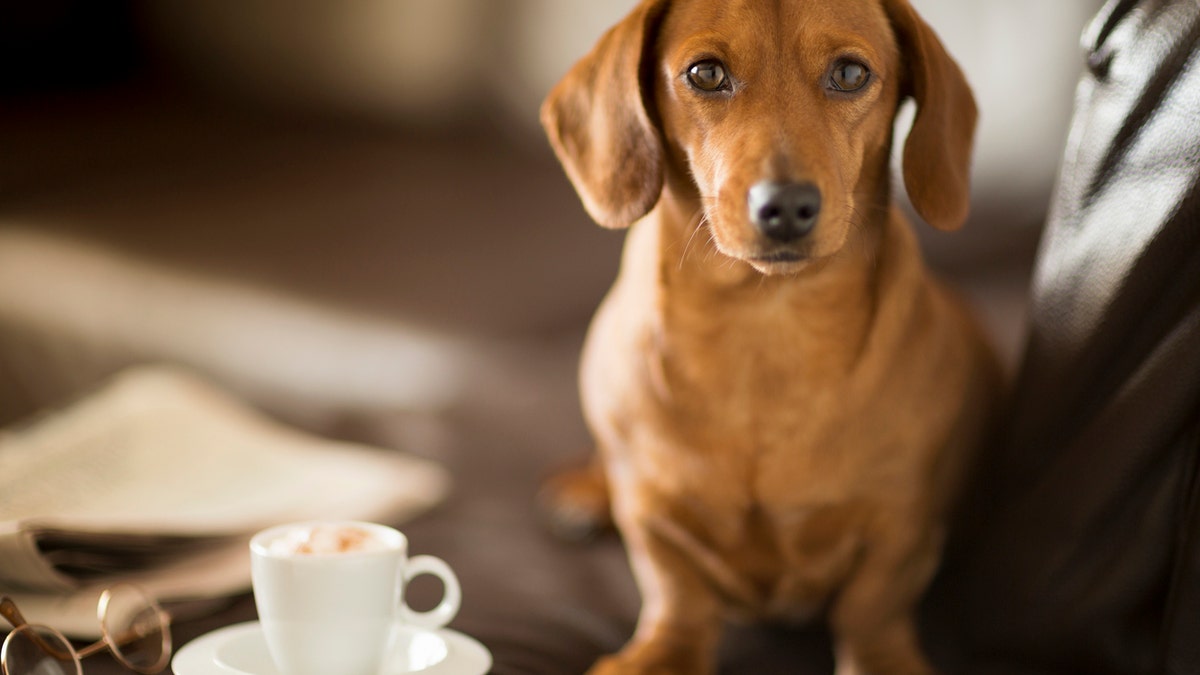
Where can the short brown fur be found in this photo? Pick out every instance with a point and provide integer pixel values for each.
(781, 428)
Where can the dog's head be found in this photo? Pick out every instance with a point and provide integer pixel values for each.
(777, 115)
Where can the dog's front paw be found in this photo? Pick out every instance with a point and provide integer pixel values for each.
(575, 503)
(619, 665)
(613, 665)
(658, 657)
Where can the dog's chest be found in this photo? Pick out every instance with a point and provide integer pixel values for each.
(747, 410)
(783, 563)
(767, 367)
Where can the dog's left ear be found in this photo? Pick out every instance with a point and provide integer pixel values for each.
(600, 127)
(937, 155)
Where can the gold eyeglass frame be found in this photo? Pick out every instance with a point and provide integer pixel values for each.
(8, 609)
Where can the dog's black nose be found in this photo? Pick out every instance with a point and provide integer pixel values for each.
(784, 211)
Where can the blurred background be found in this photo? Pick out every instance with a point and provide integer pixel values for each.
(345, 213)
(338, 205)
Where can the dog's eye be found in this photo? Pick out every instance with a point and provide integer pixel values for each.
(848, 76)
(708, 75)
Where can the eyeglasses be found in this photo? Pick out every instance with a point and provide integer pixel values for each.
(133, 626)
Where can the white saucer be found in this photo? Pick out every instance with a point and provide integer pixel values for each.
(240, 650)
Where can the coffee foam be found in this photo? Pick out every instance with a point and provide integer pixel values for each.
(326, 540)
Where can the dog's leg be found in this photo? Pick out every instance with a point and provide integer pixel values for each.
(575, 502)
(680, 621)
(873, 616)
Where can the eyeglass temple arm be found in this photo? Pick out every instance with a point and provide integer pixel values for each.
(9, 610)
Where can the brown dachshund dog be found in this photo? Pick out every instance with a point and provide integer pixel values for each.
(784, 401)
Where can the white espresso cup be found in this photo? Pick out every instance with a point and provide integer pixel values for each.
(330, 593)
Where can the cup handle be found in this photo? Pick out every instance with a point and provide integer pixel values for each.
(451, 597)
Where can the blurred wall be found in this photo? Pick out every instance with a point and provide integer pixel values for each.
(422, 60)
(1023, 58)
(55, 45)
(384, 58)
(426, 61)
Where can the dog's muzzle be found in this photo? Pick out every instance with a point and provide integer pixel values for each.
(784, 212)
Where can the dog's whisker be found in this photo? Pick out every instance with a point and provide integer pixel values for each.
(861, 214)
(701, 221)
(698, 222)
(713, 251)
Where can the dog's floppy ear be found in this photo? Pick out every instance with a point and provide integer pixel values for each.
(600, 127)
(937, 155)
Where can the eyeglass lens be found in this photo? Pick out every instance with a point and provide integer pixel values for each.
(136, 628)
(33, 649)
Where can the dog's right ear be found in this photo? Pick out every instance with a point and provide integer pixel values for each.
(599, 123)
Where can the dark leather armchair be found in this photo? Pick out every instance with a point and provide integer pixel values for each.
(1081, 549)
